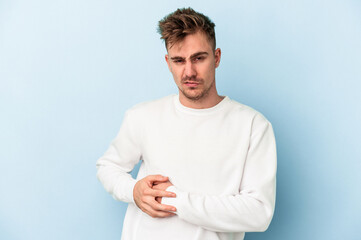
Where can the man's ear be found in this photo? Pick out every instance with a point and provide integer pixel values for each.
(217, 56)
(167, 60)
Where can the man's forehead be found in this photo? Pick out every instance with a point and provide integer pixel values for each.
(191, 44)
(188, 55)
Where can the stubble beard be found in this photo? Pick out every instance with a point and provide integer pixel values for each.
(201, 95)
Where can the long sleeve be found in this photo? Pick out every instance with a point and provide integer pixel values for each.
(120, 158)
(249, 210)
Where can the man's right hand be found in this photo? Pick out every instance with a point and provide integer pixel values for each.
(144, 196)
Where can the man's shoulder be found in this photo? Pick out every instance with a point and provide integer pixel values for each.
(246, 111)
(151, 106)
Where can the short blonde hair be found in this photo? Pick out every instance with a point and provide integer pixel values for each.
(178, 24)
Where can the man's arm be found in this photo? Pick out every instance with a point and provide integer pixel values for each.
(252, 208)
(116, 164)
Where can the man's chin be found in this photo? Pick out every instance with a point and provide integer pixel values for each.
(193, 96)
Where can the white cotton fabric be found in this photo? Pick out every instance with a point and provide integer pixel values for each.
(221, 161)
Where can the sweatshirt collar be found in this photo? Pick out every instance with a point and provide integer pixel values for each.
(203, 111)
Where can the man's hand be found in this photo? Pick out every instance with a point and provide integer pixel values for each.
(144, 196)
(161, 186)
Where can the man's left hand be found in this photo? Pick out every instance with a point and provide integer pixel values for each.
(161, 186)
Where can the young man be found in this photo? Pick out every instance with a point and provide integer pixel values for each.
(208, 163)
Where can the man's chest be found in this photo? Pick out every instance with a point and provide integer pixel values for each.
(197, 154)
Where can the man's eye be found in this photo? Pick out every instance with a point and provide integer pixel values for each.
(198, 59)
(178, 61)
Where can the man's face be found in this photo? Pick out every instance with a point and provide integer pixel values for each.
(192, 63)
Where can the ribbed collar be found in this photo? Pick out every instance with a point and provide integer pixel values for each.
(204, 111)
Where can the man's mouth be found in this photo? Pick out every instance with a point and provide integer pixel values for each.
(191, 83)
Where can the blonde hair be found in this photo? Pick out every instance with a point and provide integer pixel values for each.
(178, 24)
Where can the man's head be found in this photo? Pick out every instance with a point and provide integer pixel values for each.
(177, 25)
(192, 57)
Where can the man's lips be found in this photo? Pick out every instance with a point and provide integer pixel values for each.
(191, 84)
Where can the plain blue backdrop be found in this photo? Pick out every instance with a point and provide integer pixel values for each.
(69, 69)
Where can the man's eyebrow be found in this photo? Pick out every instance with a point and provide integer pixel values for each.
(192, 56)
(176, 58)
(198, 54)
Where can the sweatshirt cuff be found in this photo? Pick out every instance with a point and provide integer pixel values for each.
(130, 188)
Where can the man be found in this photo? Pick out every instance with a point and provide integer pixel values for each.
(208, 163)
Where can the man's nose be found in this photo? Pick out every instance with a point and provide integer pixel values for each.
(189, 70)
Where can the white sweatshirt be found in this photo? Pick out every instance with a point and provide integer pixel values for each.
(221, 161)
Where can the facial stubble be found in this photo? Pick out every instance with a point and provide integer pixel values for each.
(203, 94)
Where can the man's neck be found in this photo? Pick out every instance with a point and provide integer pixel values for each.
(208, 102)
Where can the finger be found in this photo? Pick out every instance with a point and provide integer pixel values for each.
(158, 199)
(158, 193)
(162, 186)
(161, 207)
(150, 201)
(156, 214)
(156, 178)
(157, 182)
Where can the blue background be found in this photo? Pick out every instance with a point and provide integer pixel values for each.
(69, 69)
